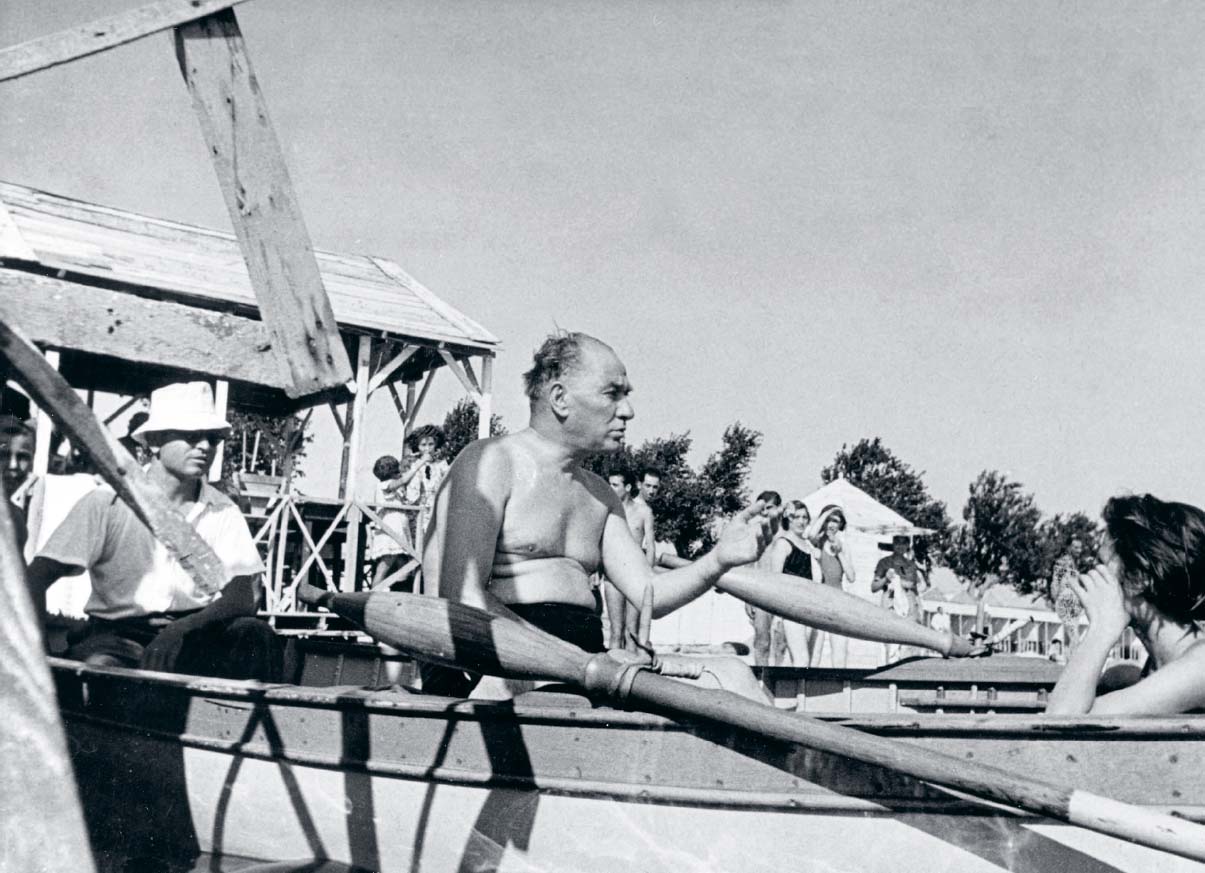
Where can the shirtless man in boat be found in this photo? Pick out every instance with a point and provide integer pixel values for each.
(519, 525)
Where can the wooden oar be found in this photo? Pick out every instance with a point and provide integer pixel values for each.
(826, 608)
(468, 638)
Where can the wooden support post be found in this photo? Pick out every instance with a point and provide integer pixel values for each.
(104, 33)
(355, 440)
(44, 429)
(262, 204)
(412, 406)
(221, 395)
(43, 822)
(52, 393)
(485, 406)
(277, 574)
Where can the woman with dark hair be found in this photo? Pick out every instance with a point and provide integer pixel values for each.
(1151, 578)
(422, 479)
(836, 566)
(791, 553)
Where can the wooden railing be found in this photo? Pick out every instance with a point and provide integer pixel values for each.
(300, 537)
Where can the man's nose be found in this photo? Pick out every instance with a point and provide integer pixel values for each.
(626, 410)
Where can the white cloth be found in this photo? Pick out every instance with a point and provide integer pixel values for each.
(133, 574)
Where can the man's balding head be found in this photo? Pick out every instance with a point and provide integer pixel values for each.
(578, 390)
(558, 357)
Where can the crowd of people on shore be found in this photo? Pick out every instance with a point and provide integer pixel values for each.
(519, 527)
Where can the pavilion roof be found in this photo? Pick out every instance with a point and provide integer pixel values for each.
(191, 264)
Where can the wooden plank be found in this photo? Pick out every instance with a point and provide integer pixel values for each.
(398, 404)
(414, 404)
(262, 204)
(69, 315)
(52, 393)
(44, 428)
(454, 316)
(12, 243)
(351, 469)
(454, 365)
(39, 806)
(102, 34)
(485, 404)
(389, 369)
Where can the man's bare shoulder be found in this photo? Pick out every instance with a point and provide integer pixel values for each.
(488, 461)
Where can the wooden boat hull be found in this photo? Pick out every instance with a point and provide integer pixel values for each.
(388, 781)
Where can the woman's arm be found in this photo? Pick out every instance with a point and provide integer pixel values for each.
(1100, 592)
(779, 549)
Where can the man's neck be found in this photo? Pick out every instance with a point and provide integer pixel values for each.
(180, 492)
(553, 450)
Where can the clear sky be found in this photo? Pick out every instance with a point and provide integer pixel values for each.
(973, 229)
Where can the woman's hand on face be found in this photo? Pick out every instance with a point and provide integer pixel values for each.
(1100, 593)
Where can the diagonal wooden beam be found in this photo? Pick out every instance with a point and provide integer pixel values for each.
(454, 365)
(413, 408)
(102, 34)
(398, 404)
(389, 369)
(52, 393)
(262, 204)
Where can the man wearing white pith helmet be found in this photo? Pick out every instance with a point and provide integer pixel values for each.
(145, 610)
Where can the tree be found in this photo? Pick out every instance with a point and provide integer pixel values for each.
(1055, 535)
(998, 541)
(264, 444)
(460, 427)
(875, 469)
(691, 503)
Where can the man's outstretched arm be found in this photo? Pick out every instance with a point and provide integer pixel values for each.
(741, 542)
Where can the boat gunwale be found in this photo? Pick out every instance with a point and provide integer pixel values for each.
(817, 800)
(585, 712)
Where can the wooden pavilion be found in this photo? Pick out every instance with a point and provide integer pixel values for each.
(122, 302)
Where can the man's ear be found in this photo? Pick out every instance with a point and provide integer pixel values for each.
(558, 399)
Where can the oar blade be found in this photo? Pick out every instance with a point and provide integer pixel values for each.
(461, 636)
(829, 609)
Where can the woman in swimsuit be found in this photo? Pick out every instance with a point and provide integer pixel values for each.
(1151, 577)
(791, 553)
(836, 566)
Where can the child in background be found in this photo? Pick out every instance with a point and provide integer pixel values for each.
(391, 549)
(425, 474)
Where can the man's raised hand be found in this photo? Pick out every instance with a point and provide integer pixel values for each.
(744, 538)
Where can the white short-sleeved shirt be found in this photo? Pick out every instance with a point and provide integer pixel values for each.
(133, 574)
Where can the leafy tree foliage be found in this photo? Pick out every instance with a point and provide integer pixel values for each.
(1057, 532)
(998, 540)
(282, 444)
(875, 469)
(460, 427)
(691, 503)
